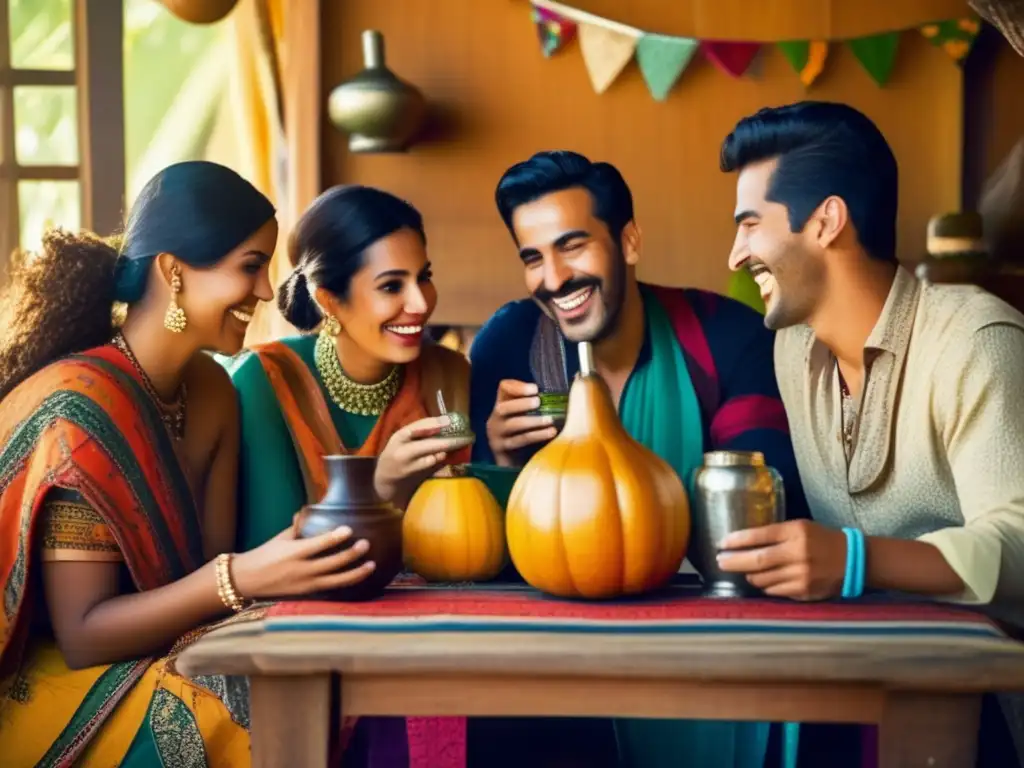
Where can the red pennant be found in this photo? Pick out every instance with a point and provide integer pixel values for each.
(731, 58)
(553, 31)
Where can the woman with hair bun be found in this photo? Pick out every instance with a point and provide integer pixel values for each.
(362, 279)
(366, 383)
(118, 471)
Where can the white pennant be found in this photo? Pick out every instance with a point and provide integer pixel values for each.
(606, 52)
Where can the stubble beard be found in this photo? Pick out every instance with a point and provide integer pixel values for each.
(611, 295)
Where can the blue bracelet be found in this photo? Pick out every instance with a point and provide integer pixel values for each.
(858, 584)
(853, 579)
(851, 564)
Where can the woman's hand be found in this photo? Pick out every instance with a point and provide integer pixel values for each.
(411, 456)
(287, 566)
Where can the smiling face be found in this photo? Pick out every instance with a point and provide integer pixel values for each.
(219, 301)
(575, 270)
(788, 266)
(390, 299)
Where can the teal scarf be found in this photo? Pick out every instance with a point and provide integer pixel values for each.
(659, 408)
(659, 405)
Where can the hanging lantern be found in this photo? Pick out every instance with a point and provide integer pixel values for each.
(379, 111)
(200, 11)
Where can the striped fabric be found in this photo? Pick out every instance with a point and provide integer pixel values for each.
(409, 606)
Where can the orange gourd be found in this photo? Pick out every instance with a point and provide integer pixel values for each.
(200, 11)
(454, 530)
(594, 513)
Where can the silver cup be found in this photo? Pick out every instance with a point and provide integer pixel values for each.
(732, 491)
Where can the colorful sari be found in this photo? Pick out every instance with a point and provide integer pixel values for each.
(84, 427)
(311, 426)
(310, 431)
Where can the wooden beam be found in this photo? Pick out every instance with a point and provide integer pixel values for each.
(44, 77)
(17, 173)
(303, 103)
(99, 61)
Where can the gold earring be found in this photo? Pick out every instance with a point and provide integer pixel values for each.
(174, 319)
(332, 326)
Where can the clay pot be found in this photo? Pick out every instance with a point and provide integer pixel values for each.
(352, 500)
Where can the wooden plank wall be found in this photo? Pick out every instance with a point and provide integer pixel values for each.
(480, 66)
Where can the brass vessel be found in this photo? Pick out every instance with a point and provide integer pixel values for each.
(378, 110)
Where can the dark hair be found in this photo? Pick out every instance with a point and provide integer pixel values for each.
(198, 211)
(823, 149)
(329, 243)
(548, 172)
(60, 301)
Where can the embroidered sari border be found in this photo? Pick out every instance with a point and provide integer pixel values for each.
(98, 703)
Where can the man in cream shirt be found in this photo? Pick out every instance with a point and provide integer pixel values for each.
(905, 400)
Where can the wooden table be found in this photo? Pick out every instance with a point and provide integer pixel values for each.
(923, 691)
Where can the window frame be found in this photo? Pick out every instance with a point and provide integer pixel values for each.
(98, 79)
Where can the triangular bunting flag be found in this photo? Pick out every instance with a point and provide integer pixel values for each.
(806, 57)
(662, 60)
(553, 31)
(605, 52)
(955, 37)
(877, 54)
(731, 58)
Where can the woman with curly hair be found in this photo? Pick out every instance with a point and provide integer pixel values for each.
(118, 471)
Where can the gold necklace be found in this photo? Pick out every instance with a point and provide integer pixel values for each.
(351, 396)
(172, 414)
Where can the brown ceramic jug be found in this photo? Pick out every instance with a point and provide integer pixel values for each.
(352, 500)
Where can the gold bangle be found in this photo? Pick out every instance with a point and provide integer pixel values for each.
(225, 586)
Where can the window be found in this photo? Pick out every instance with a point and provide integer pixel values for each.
(51, 54)
(95, 97)
(178, 95)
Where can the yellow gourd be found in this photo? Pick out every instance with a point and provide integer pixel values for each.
(200, 11)
(454, 530)
(594, 513)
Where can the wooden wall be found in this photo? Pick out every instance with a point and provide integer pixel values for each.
(500, 100)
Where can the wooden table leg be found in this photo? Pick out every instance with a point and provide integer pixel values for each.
(929, 730)
(290, 720)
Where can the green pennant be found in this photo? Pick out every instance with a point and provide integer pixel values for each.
(662, 60)
(954, 36)
(806, 57)
(797, 52)
(877, 54)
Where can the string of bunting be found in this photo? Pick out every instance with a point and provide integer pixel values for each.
(608, 46)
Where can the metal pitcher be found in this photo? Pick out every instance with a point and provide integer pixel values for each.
(732, 490)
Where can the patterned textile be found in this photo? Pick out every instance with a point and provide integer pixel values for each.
(82, 446)
(677, 609)
(72, 530)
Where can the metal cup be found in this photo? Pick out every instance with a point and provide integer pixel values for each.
(732, 491)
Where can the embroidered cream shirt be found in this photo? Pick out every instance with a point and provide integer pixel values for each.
(937, 450)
